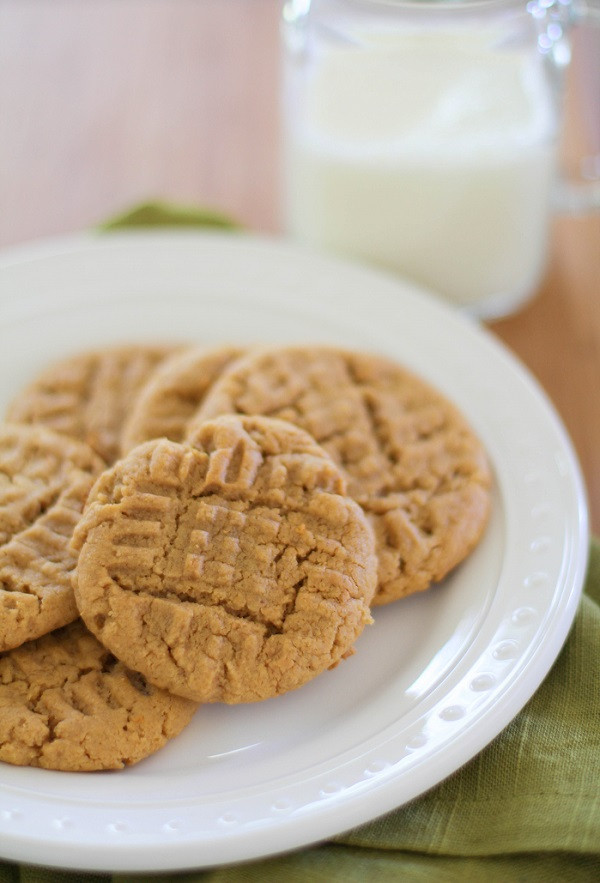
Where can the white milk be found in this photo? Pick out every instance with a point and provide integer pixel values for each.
(431, 155)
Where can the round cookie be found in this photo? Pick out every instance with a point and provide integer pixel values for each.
(173, 394)
(89, 395)
(231, 569)
(67, 704)
(411, 460)
(44, 482)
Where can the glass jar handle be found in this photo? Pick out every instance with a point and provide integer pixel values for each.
(569, 40)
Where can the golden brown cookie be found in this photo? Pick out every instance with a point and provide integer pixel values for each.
(412, 462)
(44, 482)
(88, 396)
(66, 703)
(232, 569)
(173, 394)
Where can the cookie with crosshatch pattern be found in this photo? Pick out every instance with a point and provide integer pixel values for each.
(232, 568)
(88, 396)
(66, 703)
(173, 393)
(412, 461)
(44, 482)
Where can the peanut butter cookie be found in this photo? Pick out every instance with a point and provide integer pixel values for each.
(173, 394)
(44, 482)
(89, 395)
(232, 568)
(67, 704)
(412, 462)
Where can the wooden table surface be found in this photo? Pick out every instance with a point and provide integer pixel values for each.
(106, 103)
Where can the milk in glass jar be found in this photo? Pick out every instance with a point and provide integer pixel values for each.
(422, 137)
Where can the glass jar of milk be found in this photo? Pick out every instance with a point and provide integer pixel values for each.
(422, 136)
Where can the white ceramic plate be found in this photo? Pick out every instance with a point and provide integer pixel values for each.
(433, 680)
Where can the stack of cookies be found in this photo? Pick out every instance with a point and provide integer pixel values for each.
(182, 525)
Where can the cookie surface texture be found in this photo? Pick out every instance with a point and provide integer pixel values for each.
(173, 393)
(88, 396)
(44, 482)
(228, 570)
(412, 462)
(67, 704)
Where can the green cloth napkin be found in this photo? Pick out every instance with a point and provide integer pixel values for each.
(527, 808)
(158, 213)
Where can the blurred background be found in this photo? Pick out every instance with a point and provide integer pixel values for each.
(105, 103)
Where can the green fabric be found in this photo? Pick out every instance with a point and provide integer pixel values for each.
(527, 808)
(168, 214)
